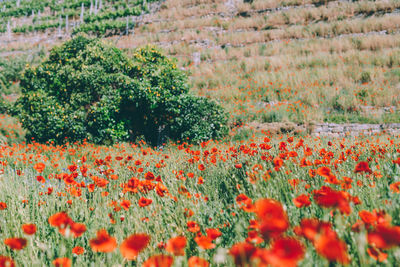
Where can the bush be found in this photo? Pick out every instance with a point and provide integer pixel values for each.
(87, 89)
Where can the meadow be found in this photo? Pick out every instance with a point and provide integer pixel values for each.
(270, 197)
(278, 201)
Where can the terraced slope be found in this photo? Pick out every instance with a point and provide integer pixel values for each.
(267, 61)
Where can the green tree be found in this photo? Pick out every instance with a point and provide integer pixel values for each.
(88, 89)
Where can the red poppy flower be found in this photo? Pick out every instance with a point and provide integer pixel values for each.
(40, 179)
(29, 229)
(253, 237)
(329, 176)
(329, 198)
(77, 229)
(331, 247)
(204, 242)
(62, 262)
(159, 261)
(60, 220)
(384, 236)
(39, 167)
(149, 176)
(377, 254)
(273, 219)
(143, 202)
(238, 166)
(6, 261)
(278, 163)
(302, 201)
(132, 245)
(362, 166)
(213, 233)
(103, 242)
(310, 228)
(193, 227)
(195, 261)
(201, 167)
(3, 206)
(284, 252)
(78, 250)
(125, 204)
(242, 253)
(15, 243)
(176, 245)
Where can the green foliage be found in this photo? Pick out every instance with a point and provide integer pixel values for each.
(88, 89)
(365, 77)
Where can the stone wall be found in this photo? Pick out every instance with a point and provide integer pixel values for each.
(354, 129)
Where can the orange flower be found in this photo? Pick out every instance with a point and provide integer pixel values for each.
(143, 202)
(395, 187)
(310, 228)
(329, 198)
(29, 229)
(158, 261)
(176, 245)
(331, 247)
(39, 167)
(273, 219)
(149, 176)
(238, 166)
(40, 179)
(201, 167)
(60, 220)
(213, 233)
(362, 166)
(3, 206)
(103, 242)
(204, 242)
(385, 236)
(242, 253)
(195, 261)
(278, 163)
(376, 254)
(62, 262)
(77, 229)
(78, 250)
(15, 243)
(132, 245)
(6, 261)
(284, 252)
(193, 227)
(125, 204)
(302, 201)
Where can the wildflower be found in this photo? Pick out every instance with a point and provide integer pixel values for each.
(302, 201)
(159, 261)
(78, 250)
(272, 217)
(103, 242)
(176, 245)
(39, 167)
(62, 262)
(143, 202)
(132, 245)
(242, 253)
(195, 261)
(15, 243)
(362, 166)
(29, 229)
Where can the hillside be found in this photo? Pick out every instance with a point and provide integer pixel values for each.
(267, 61)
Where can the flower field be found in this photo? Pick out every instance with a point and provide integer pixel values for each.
(268, 201)
(262, 75)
